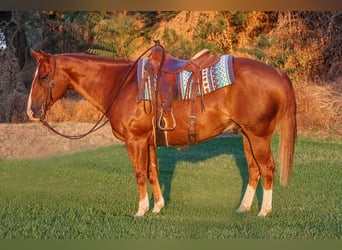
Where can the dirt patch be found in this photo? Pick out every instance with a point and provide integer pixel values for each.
(33, 140)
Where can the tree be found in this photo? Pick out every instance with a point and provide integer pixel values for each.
(114, 36)
(13, 34)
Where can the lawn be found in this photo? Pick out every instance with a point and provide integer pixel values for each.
(93, 194)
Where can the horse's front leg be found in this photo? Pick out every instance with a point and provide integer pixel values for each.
(153, 179)
(138, 153)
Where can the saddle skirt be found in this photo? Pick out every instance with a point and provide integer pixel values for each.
(218, 76)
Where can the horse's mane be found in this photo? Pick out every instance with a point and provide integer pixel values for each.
(98, 58)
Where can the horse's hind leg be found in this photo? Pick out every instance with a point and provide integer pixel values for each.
(153, 179)
(260, 160)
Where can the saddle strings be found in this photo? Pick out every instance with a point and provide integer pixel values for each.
(97, 125)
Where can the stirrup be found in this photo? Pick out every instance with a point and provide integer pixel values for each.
(163, 124)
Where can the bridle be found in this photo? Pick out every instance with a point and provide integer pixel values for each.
(98, 124)
(44, 107)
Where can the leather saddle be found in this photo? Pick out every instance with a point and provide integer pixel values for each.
(201, 60)
(164, 67)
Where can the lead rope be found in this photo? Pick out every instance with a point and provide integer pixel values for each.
(96, 126)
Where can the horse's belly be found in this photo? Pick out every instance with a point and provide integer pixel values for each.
(209, 125)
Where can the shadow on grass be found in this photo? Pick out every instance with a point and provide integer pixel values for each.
(168, 158)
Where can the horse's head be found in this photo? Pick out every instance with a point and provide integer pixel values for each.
(44, 91)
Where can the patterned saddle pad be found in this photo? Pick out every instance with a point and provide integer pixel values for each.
(218, 76)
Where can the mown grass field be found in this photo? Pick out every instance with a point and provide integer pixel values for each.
(93, 195)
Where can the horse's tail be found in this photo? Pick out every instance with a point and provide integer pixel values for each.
(288, 134)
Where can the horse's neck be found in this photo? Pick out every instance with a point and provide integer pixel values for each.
(90, 80)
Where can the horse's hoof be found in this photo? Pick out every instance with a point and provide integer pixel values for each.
(141, 212)
(242, 209)
(158, 206)
(264, 212)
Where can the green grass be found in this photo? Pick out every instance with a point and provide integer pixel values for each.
(93, 194)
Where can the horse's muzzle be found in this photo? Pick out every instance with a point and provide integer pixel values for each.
(33, 111)
(32, 115)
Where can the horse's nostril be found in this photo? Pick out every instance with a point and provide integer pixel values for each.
(31, 115)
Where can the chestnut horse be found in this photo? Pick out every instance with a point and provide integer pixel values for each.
(261, 98)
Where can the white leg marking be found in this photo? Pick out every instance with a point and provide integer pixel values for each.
(266, 206)
(144, 205)
(247, 200)
(158, 205)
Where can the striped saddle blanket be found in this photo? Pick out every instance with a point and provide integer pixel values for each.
(213, 78)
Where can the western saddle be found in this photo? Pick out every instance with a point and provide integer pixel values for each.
(163, 69)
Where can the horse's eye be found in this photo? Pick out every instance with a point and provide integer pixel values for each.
(43, 78)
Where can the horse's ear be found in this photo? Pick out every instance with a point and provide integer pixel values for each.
(43, 53)
(37, 55)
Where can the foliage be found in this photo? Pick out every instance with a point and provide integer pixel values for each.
(315, 45)
(13, 35)
(239, 19)
(114, 37)
(175, 44)
(58, 32)
(321, 35)
(206, 29)
(116, 33)
(212, 34)
(151, 21)
(271, 51)
(93, 195)
(206, 35)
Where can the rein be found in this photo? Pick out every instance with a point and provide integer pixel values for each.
(97, 125)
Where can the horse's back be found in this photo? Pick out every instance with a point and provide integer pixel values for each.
(253, 71)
